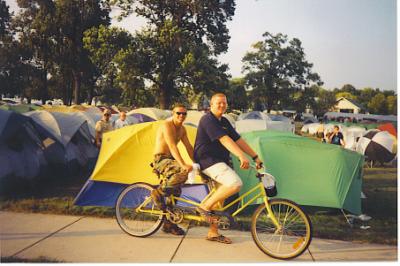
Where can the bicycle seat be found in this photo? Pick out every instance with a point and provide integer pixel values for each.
(205, 178)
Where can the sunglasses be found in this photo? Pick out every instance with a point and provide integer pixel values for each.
(181, 113)
(107, 114)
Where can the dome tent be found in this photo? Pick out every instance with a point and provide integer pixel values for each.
(256, 120)
(21, 152)
(66, 138)
(306, 171)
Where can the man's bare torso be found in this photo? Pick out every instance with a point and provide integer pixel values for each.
(161, 145)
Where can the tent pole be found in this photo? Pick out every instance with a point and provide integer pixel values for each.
(347, 220)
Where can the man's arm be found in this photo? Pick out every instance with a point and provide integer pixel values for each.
(247, 149)
(231, 146)
(169, 136)
(188, 146)
(342, 141)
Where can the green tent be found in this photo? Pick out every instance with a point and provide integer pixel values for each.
(306, 171)
(20, 108)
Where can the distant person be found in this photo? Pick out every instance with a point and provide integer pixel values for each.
(320, 131)
(102, 126)
(121, 121)
(336, 137)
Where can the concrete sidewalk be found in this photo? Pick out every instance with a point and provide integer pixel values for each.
(85, 239)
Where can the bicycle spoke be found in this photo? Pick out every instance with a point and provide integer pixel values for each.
(290, 239)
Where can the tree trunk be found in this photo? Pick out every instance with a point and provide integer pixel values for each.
(44, 93)
(76, 87)
(166, 88)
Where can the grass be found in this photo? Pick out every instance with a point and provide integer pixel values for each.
(379, 185)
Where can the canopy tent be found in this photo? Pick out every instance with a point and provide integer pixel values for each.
(66, 138)
(125, 158)
(155, 113)
(360, 117)
(307, 172)
(20, 147)
(253, 121)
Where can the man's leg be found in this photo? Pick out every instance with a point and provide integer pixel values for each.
(176, 179)
(222, 193)
(229, 184)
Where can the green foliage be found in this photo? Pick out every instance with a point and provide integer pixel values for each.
(326, 100)
(176, 48)
(377, 105)
(237, 95)
(346, 95)
(391, 102)
(276, 70)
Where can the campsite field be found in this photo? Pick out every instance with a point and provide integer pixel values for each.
(379, 186)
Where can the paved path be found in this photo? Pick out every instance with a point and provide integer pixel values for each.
(85, 239)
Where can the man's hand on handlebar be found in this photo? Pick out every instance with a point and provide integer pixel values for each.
(244, 162)
(259, 163)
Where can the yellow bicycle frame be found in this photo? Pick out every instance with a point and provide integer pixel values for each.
(258, 190)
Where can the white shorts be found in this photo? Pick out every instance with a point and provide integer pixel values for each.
(223, 174)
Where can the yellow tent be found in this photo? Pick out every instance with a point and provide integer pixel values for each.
(126, 154)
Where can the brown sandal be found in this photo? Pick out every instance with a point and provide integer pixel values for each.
(220, 239)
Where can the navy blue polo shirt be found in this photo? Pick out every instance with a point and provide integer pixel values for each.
(208, 150)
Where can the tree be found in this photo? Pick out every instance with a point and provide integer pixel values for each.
(350, 89)
(326, 100)
(179, 43)
(345, 94)
(74, 17)
(366, 95)
(237, 95)
(35, 26)
(391, 102)
(277, 70)
(377, 105)
(103, 45)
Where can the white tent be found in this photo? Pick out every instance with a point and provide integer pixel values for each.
(260, 121)
(351, 135)
(310, 128)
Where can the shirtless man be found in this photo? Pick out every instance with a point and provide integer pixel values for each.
(169, 162)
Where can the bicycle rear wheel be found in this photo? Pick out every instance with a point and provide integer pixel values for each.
(140, 222)
(288, 242)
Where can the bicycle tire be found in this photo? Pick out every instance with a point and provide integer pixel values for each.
(135, 223)
(292, 240)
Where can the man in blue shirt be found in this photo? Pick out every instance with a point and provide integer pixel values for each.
(215, 140)
(337, 137)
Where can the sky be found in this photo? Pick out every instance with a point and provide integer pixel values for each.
(348, 41)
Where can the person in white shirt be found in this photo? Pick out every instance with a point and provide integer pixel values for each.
(121, 121)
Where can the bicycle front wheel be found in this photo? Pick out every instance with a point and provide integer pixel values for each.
(136, 212)
(291, 239)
